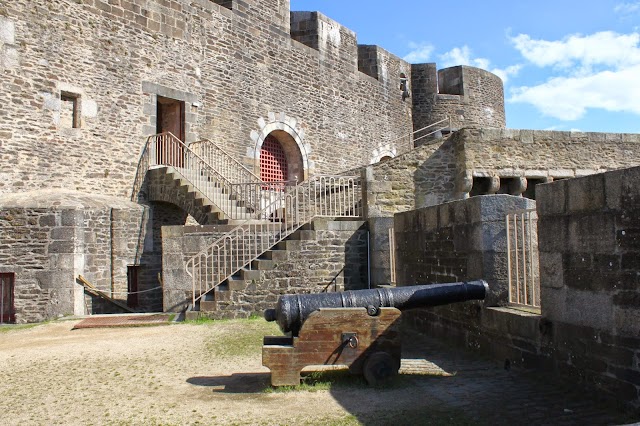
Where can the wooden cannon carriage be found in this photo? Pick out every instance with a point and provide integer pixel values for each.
(359, 329)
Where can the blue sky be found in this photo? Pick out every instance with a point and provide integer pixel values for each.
(566, 64)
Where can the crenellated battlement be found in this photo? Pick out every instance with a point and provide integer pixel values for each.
(471, 96)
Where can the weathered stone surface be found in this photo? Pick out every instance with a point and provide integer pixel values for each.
(48, 248)
(331, 255)
(467, 242)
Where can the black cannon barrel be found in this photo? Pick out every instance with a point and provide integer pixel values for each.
(292, 310)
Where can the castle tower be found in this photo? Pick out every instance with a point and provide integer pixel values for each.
(470, 96)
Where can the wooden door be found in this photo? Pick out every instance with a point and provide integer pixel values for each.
(7, 313)
(170, 119)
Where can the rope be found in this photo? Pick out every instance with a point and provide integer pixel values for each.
(142, 291)
(132, 292)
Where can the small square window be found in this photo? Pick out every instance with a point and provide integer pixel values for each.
(225, 3)
(69, 110)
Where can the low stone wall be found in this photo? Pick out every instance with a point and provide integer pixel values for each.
(590, 257)
(48, 248)
(457, 241)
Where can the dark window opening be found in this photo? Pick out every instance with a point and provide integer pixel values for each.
(7, 310)
(132, 285)
(531, 188)
(481, 186)
(69, 110)
(508, 185)
(404, 86)
(224, 3)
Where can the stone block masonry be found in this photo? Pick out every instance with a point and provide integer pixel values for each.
(588, 330)
(470, 96)
(542, 155)
(457, 241)
(325, 256)
(47, 248)
(589, 249)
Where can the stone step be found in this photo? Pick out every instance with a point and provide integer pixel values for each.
(290, 245)
(275, 255)
(303, 235)
(192, 315)
(221, 294)
(262, 264)
(247, 275)
(233, 285)
(208, 305)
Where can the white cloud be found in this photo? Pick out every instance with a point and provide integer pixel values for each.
(604, 48)
(627, 8)
(568, 98)
(462, 56)
(600, 71)
(505, 73)
(420, 53)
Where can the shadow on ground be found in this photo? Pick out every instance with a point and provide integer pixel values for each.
(236, 383)
(441, 386)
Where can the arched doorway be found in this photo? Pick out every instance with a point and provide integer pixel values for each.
(273, 161)
(280, 158)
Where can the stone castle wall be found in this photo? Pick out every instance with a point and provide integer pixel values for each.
(589, 240)
(237, 71)
(457, 241)
(589, 243)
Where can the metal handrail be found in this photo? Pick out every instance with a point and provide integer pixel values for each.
(223, 162)
(296, 205)
(236, 200)
(522, 258)
(411, 136)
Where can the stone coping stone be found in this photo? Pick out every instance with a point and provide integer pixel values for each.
(62, 199)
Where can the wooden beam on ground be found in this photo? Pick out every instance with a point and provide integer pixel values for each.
(102, 294)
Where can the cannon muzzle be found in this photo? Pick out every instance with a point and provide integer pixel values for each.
(292, 310)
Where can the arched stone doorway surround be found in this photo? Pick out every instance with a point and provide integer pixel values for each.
(382, 153)
(290, 135)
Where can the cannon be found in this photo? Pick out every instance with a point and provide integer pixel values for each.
(359, 328)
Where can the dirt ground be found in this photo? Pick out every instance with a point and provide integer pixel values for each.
(176, 374)
(211, 374)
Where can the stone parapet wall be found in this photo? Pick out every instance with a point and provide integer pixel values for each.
(589, 243)
(336, 44)
(587, 332)
(541, 153)
(457, 241)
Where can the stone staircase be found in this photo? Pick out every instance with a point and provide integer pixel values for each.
(166, 184)
(253, 289)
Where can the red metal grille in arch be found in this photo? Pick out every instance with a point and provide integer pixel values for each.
(273, 161)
